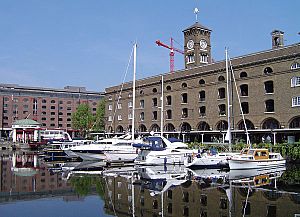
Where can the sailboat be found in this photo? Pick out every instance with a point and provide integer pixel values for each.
(212, 159)
(114, 150)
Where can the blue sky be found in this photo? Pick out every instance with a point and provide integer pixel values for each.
(55, 43)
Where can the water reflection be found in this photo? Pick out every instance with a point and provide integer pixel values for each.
(152, 191)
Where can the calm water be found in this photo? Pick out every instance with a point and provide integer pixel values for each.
(32, 187)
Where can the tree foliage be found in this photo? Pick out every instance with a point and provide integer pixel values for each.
(100, 115)
(83, 119)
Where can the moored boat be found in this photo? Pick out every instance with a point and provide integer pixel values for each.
(256, 158)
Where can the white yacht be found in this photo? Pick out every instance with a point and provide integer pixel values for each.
(255, 158)
(100, 150)
(208, 159)
(158, 150)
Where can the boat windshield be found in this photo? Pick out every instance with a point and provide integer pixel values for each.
(154, 142)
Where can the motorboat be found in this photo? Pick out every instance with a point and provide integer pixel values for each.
(255, 158)
(209, 159)
(158, 150)
(116, 148)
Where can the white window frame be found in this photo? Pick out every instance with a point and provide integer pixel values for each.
(296, 101)
(119, 106)
(110, 118)
(190, 58)
(295, 65)
(110, 107)
(295, 81)
(130, 116)
(130, 104)
(119, 117)
(203, 58)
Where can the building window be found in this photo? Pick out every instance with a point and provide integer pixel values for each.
(130, 116)
(269, 105)
(168, 88)
(271, 211)
(295, 65)
(202, 111)
(60, 113)
(222, 109)
(154, 115)
(223, 203)
(141, 92)
(203, 58)
(184, 85)
(221, 93)
(243, 75)
(295, 82)
(184, 98)
(109, 107)
(52, 119)
(221, 78)
(25, 100)
(142, 103)
(154, 90)
(130, 104)
(109, 118)
(24, 106)
(69, 108)
(169, 114)
(244, 89)
(203, 200)
(119, 117)
(246, 207)
(69, 102)
(52, 113)
(119, 106)
(268, 70)
(202, 96)
(245, 107)
(6, 99)
(154, 102)
(184, 113)
(142, 116)
(44, 113)
(170, 208)
(129, 95)
(170, 194)
(169, 100)
(52, 101)
(190, 58)
(201, 81)
(110, 98)
(52, 107)
(296, 101)
(44, 119)
(269, 87)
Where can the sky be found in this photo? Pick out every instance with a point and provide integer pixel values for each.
(58, 43)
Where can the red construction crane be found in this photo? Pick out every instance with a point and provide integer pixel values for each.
(172, 49)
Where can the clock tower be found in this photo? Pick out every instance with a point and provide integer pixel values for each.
(197, 47)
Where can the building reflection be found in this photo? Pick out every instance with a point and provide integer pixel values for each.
(131, 194)
(24, 176)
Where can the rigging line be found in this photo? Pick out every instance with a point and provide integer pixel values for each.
(126, 71)
(244, 210)
(180, 45)
(240, 104)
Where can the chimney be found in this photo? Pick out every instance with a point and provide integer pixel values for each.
(277, 39)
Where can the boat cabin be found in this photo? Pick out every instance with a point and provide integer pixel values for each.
(152, 143)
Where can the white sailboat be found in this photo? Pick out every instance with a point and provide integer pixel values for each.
(114, 150)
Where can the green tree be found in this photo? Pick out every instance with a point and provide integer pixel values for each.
(83, 119)
(99, 119)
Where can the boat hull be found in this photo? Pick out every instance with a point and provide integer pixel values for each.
(239, 164)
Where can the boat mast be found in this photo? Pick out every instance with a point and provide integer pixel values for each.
(162, 106)
(228, 133)
(133, 89)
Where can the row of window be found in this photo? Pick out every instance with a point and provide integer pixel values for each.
(295, 81)
(269, 107)
(244, 91)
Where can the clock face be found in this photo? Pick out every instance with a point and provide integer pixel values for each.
(203, 44)
(190, 44)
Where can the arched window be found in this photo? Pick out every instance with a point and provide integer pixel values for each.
(243, 75)
(168, 88)
(295, 123)
(249, 125)
(295, 65)
(203, 126)
(268, 70)
(270, 123)
(221, 78)
(154, 90)
(184, 85)
(170, 127)
(201, 81)
(142, 128)
(120, 129)
(185, 127)
(222, 125)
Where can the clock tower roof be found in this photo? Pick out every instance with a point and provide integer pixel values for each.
(197, 26)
